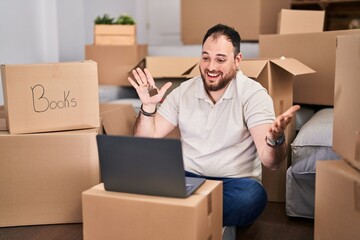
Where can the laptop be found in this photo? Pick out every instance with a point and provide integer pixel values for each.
(149, 166)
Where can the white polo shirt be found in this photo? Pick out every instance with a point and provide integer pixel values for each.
(215, 137)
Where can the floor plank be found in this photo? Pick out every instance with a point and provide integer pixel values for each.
(273, 224)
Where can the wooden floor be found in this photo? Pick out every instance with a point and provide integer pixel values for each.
(273, 224)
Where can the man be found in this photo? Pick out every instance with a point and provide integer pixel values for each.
(227, 124)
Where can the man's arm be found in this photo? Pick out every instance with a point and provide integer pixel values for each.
(156, 126)
(270, 156)
(148, 122)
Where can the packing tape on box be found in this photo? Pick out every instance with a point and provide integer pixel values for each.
(209, 203)
(357, 196)
(357, 146)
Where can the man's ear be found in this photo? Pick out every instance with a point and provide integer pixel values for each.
(238, 59)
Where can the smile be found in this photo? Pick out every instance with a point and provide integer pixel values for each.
(212, 74)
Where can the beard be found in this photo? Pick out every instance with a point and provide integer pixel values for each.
(220, 84)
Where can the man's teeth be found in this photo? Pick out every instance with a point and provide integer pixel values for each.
(212, 74)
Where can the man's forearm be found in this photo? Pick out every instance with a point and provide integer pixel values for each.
(145, 122)
(272, 157)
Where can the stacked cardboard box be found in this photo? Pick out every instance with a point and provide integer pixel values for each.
(47, 146)
(115, 34)
(116, 51)
(115, 62)
(337, 197)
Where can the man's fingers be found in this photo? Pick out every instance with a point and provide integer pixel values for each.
(165, 88)
(133, 83)
(291, 111)
(149, 77)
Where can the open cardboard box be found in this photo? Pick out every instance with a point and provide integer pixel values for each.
(316, 50)
(337, 201)
(115, 62)
(346, 139)
(250, 18)
(278, 77)
(50, 97)
(114, 215)
(170, 69)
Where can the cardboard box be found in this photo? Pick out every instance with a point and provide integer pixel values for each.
(250, 18)
(117, 119)
(300, 21)
(316, 50)
(173, 69)
(50, 97)
(337, 201)
(346, 140)
(114, 215)
(115, 34)
(277, 76)
(115, 62)
(43, 175)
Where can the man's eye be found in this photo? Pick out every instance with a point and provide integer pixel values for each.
(221, 60)
(205, 58)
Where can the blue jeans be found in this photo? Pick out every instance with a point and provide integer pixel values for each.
(244, 199)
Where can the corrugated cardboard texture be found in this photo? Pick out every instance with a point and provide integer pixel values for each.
(300, 21)
(51, 97)
(336, 201)
(317, 51)
(347, 98)
(42, 176)
(113, 215)
(250, 18)
(115, 62)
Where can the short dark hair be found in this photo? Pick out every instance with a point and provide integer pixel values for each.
(224, 30)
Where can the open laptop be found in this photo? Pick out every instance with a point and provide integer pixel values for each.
(140, 165)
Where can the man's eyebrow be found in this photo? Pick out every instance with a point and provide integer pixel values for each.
(221, 55)
(218, 55)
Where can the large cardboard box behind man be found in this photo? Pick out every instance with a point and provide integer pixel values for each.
(249, 17)
(316, 50)
(50, 97)
(115, 62)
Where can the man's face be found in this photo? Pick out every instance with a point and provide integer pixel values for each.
(218, 65)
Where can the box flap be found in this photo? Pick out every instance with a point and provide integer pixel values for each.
(293, 66)
(252, 68)
(170, 67)
(118, 119)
